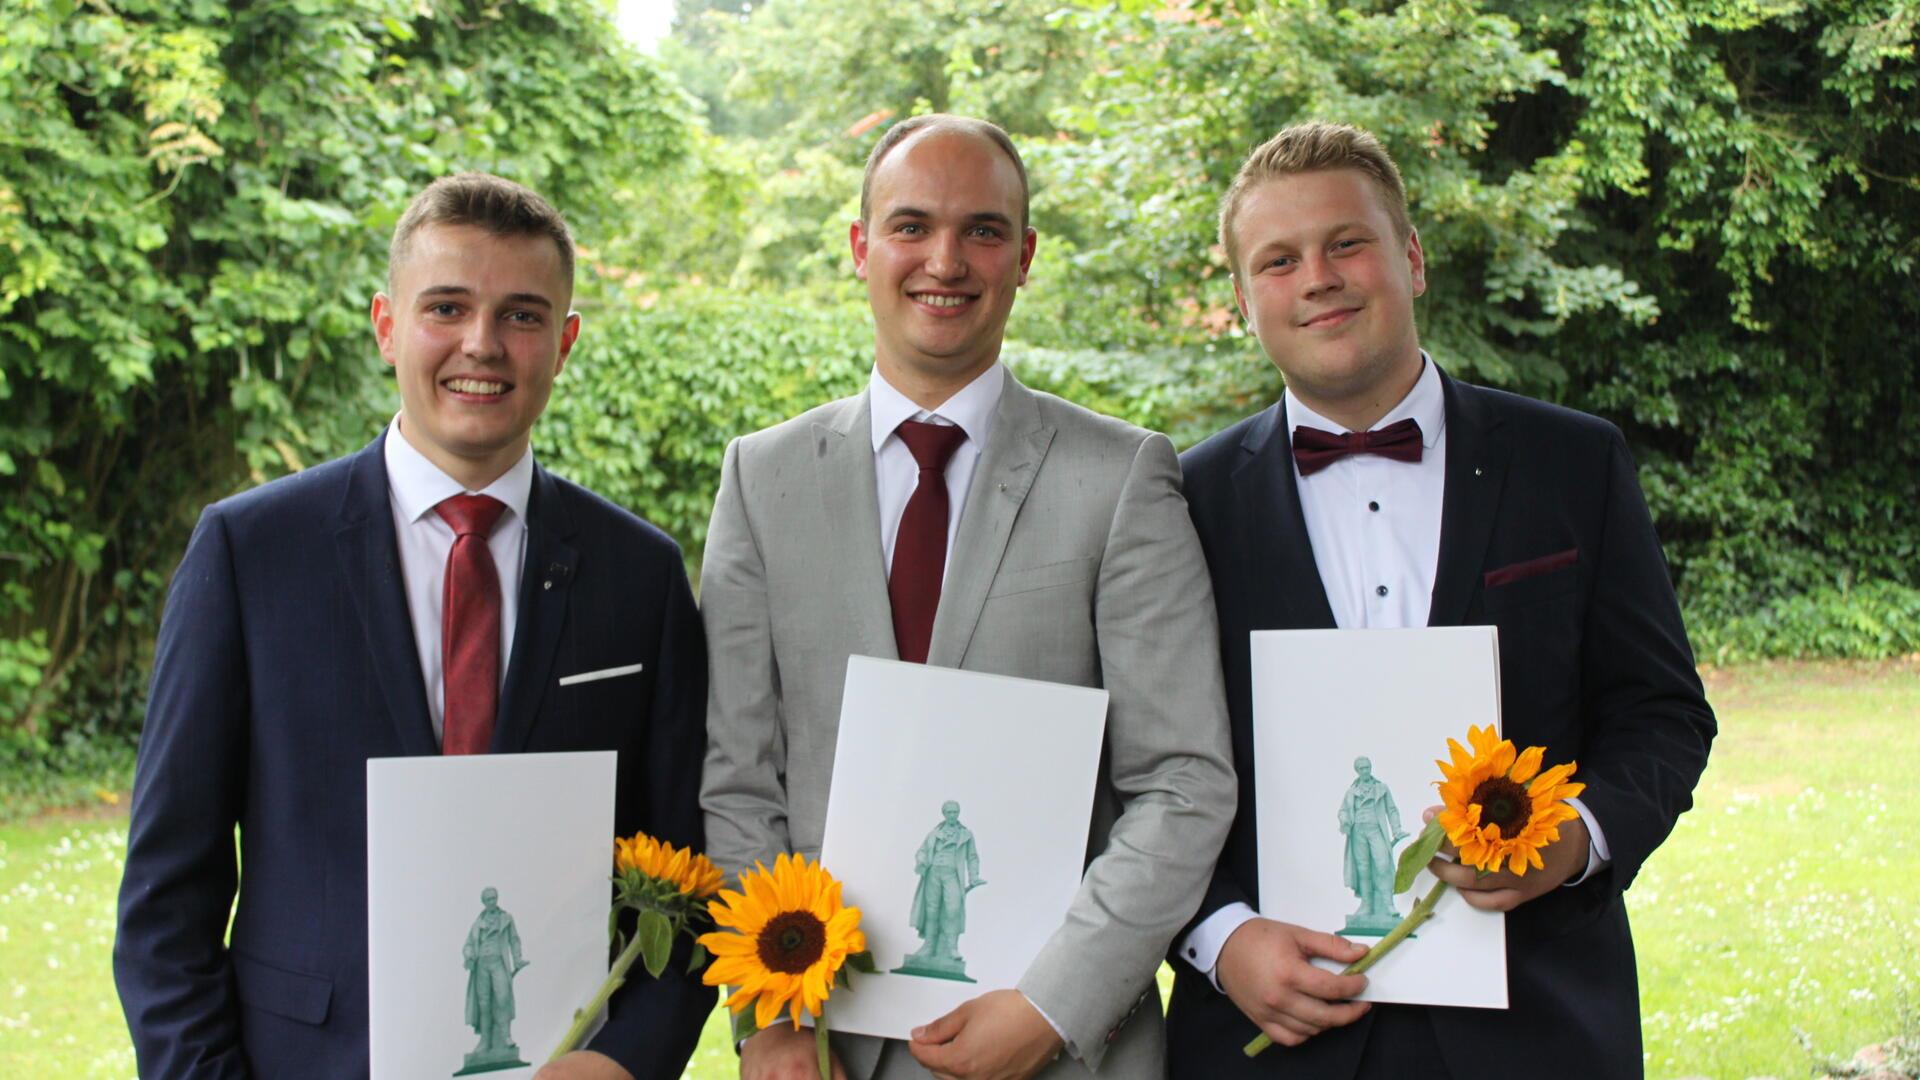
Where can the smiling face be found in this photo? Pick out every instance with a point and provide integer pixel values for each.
(476, 329)
(1326, 282)
(943, 254)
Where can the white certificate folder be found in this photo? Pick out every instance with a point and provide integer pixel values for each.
(1018, 758)
(537, 830)
(1322, 700)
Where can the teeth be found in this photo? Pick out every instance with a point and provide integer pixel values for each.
(941, 301)
(476, 386)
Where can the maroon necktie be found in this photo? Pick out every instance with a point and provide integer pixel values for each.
(1314, 449)
(920, 548)
(470, 626)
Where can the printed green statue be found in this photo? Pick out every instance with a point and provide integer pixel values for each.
(492, 955)
(949, 869)
(1372, 824)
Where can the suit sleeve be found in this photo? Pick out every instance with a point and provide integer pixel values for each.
(1649, 725)
(169, 956)
(1168, 760)
(653, 1025)
(743, 790)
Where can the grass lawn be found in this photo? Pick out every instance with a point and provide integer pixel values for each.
(1784, 908)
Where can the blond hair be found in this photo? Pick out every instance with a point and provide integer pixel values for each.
(490, 202)
(1315, 146)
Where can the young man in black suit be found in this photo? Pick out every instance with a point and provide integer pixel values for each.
(428, 594)
(1379, 492)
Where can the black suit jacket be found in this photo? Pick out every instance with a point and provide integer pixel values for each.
(285, 660)
(1544, 534)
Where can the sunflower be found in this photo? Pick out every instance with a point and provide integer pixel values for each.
(691, 873)
(790, 936)
(1500, 806)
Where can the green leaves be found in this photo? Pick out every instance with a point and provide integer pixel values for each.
(1415, 857)
(655, 932)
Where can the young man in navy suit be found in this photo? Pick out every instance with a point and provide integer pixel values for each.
(427, 594)
(1379, 492)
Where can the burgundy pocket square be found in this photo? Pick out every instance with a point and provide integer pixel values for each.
(1520, 571)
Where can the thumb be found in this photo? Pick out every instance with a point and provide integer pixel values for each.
(1331, 946)
(943, 1030)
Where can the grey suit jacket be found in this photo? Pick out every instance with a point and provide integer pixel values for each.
(1075, 562)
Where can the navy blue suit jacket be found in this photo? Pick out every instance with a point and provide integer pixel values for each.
(286, 659)
(1544, 534)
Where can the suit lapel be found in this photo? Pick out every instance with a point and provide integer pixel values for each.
(1005, 473)
(843, 458)
(1277, 552)
(546, 579)
(370, 568)
(1478, 454)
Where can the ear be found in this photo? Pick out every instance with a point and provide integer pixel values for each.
(1027, 243)
(382, 316)
(857, 240)
(569, 334)
(1416, 262)
(1240, 300)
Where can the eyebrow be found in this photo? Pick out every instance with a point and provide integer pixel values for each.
(992, 217)
(462, 290)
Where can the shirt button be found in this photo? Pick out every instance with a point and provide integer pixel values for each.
(1374, 506)
(1382, 590)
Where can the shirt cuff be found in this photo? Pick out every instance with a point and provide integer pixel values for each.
(1202, 947)
(1065, 1043)
(1597, 854)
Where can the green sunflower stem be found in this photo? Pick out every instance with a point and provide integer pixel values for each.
(584, 1018)
(1422, 911)
(820, 1044)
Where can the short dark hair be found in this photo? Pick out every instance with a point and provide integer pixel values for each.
(493, 203)
(1314, 146)
(905, 129)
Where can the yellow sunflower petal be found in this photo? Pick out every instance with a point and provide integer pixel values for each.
(1527, 764)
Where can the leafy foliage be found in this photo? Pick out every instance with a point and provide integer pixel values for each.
(194, 206)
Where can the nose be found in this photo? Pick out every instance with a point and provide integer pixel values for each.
(482, 338)
(1321, 275)
(946, 260)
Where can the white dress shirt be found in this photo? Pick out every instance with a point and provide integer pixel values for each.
(414, 487)
(895, 472)
(1374, 524)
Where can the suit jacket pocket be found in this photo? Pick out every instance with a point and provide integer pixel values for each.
(1044, 576)
(291, 994)
(1532, 581)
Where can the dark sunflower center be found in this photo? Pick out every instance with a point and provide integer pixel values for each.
(1503, 803)
(792, 941)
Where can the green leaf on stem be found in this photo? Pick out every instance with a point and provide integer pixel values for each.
(863, 963)
(1418, 855)
(656, 941)
(698, 959)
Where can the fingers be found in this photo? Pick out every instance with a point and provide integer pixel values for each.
(943, 1030)
(1332, 946)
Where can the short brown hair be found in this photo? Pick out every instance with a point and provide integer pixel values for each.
(1314, 146)
(899, 133)
(493, 203)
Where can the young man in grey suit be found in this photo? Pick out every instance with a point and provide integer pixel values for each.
(951, 516)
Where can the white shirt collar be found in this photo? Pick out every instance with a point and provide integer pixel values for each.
(418, 485)
(1424, 403)
(971, 408)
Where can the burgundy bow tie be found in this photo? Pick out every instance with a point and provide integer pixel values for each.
(1314, 449)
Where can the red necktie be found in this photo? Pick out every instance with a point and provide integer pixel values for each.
(920, 548)
(470, 626)
(1314, 449)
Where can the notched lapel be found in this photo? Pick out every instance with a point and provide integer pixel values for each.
(843, 459)
(1478, 454)
(370, 567)
(546, 581)
(1008, 466)
(1277, 554)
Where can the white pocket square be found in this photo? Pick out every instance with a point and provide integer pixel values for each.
(603, 673)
